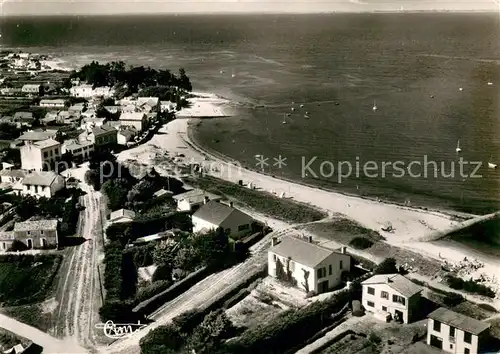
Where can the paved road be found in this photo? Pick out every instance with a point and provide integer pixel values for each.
(50, 344)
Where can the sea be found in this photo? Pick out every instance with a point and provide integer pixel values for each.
(304, 88)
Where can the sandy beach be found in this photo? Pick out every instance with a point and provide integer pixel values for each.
(410, 225)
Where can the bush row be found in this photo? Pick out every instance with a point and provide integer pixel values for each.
(470, 286)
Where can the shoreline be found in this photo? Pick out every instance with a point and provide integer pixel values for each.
(449, 212)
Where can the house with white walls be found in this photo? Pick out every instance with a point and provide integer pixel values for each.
(193, 199)
(42, 184)
(40, 155)
(309, 267)
(214, 215)
(453, 332)
(391, 295)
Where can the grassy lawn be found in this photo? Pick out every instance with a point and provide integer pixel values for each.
(281, 208)
(345, 231)
(26, 279)
(32, 315)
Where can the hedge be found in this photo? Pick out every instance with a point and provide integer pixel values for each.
(292, 327)
(146, 307)
(470, 286)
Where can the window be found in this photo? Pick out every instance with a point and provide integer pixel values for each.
(384, 295)
(399, 299)
(371, 291)
(28, 232)
(436, 326)
(274, 257)
(371, 304)
(384, 308)
(41, 232)
(467, 337)
(45, 154)
(466, 351)
(330, 269)
(291, 266)
(341, 265)
(321, 272)
(452, 331)
(243, 227)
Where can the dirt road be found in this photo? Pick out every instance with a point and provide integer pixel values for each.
(202, 294)
(50, 344)
(78, 294)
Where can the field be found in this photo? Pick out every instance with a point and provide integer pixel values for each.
(262, 202)
(26, 279)
(369, 336)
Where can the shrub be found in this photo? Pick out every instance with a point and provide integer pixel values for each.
(163, 272)
(487, 307)
(361, 243)
(151, 290)
(374, 338)
(453, 299)
(469, 286)
(388, 266)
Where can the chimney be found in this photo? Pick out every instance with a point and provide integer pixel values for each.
(343, 250)
(274, 241)
(388, 279)
(310, 239)
(206, 199)
(231, 204)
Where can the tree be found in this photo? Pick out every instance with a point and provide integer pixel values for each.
(116, 191)
(212, 247)
(186, 259)
(184, 82)
(388, 266)
(210, 334)
(27, 207)
(162, 340)
(163, 253)
(163, 272)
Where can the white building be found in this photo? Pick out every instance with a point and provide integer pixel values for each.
(81, 151)
(89, 123)
(40, 155)
(121, 215)
(453, 332)
(124, 136)
(86, 91)
(37, 135)
(55, 103)
(308, 266)
(214, 215)
(42, 184)
(137, 120)
(31, 88)
(167, 106)
(391, 294)
(193, 199)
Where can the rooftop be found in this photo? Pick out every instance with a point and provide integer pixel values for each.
(138, 116)
(13, 173)
(195, 196)
(6, 235)
(397, 282)
(43, 144)
(53, 101)
(459, 321)
(121, 213)
(215, 212)
(300, 251)
(103, 129)
(36, 225)
(38, 135)
(151, 101)
(40, 178)
(23, 115)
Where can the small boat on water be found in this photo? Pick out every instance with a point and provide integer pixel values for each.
(490, 83)
(492, 165)
(458, 149)
(293, 109)
(374, 108)
(284, 120)
(460, 89)
(306, 116)
(301, 106)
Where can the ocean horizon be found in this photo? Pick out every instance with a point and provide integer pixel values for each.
(427, 74)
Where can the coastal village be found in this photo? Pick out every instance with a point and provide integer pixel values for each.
(110, 211)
